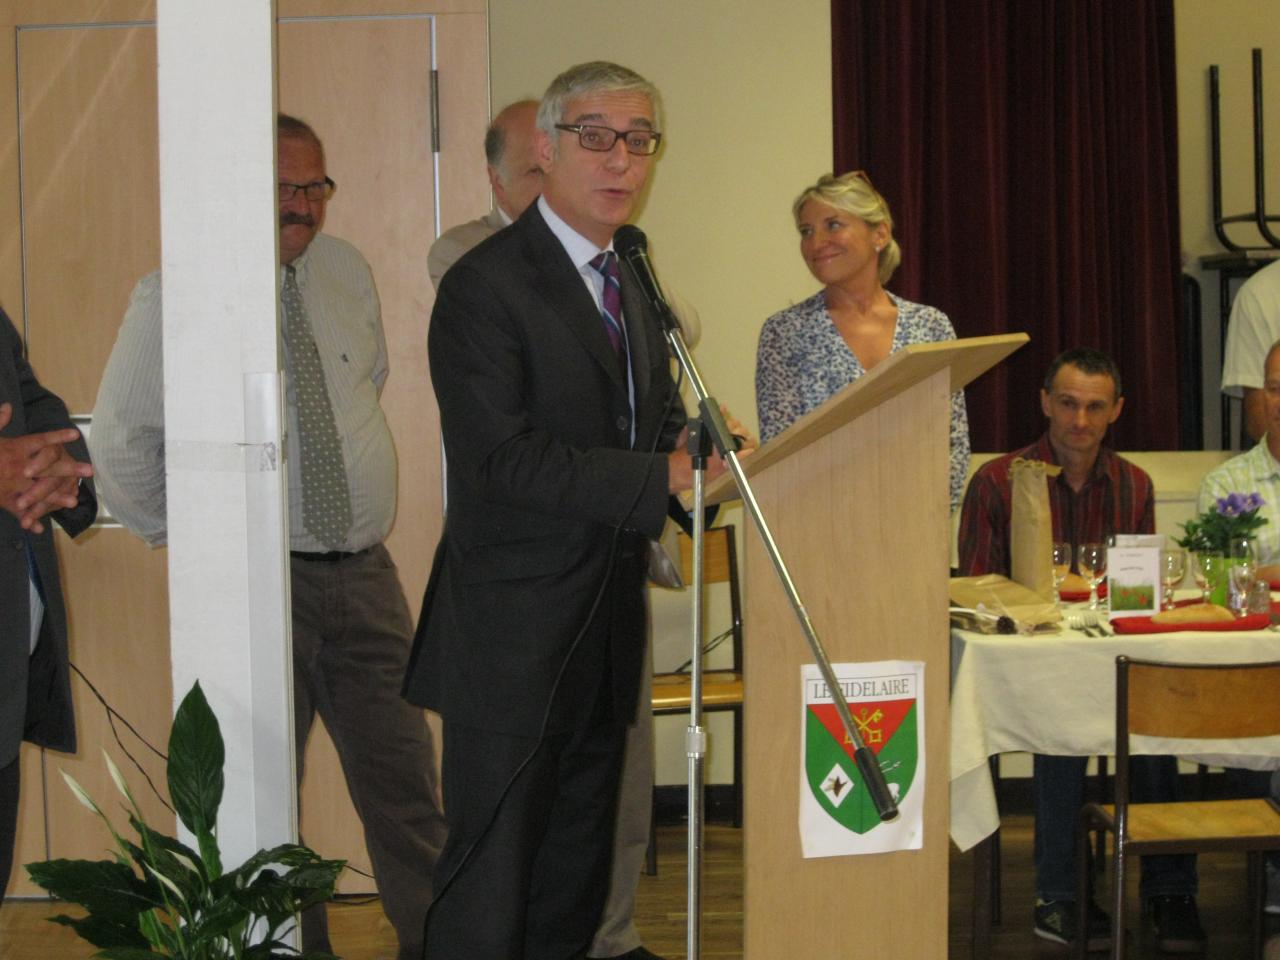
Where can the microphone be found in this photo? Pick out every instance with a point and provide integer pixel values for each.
(632, 247)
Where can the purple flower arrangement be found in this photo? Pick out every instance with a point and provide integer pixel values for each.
(1233, 516)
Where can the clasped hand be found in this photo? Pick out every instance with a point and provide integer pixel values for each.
(37, 474)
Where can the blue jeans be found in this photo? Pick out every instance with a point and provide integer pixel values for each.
(1059, 794)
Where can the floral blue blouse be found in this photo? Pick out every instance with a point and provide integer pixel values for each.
(802, 360)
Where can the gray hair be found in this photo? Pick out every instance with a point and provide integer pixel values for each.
(289, 127)
(853, 194)
(583, 80)
(495, 141)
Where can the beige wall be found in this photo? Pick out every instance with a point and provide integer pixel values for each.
(1223, 32)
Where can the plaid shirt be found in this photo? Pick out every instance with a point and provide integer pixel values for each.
(1117, 498)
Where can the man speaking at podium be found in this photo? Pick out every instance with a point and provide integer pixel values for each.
(561, 430)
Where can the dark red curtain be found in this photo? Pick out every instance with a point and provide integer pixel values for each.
(1028, 150)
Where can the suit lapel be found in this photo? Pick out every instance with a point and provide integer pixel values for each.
(563, 289)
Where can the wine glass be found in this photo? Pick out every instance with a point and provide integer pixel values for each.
(1093, 567)
(1241, 572)
(1173, 567)
(1206, 565)
(1061, 567)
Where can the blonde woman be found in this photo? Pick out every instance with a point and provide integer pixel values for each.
(816, 347)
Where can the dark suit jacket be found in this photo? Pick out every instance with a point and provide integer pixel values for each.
(541, 469)
(35, 690)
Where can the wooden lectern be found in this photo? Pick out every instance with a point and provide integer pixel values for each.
(856, 496)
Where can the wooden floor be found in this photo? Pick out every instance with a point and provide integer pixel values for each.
(361, 933)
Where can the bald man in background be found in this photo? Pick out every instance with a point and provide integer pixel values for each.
(515, 177)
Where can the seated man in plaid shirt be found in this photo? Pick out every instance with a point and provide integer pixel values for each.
(1098, 493)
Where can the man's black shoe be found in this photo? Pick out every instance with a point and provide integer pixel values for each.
(1177, 924)
(1056, 921)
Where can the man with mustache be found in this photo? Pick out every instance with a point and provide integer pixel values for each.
(351, 624)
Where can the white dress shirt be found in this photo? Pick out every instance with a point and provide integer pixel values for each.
(127, 435)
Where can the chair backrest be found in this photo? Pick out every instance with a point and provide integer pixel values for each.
(1194, 701)
(719, 565)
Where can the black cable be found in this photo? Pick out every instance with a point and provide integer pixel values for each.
(707, 647)
(112, 716)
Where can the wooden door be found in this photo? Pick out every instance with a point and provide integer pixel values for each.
(80, 189)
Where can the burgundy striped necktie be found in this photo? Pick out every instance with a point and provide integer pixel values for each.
(606, 264)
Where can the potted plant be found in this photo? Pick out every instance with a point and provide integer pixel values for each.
(1215, 535)
(161, 898)
(1233, 516)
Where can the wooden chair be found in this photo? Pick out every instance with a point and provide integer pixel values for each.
(721, 689)
(1191, 701)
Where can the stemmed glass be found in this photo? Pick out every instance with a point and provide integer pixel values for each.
(1093, 567)
(1061, 567)
(1241, 572)
(1206, 567)
(1173, 567)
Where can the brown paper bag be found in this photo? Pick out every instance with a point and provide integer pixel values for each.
(1002, 596)
(1031, 526)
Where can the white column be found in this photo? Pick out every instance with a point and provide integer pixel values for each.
(228, 559)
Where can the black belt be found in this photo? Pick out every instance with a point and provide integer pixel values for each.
(331, 556)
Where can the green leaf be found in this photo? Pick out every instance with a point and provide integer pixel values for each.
(285, 855)
(102, 932)
(159, 934)
(103, 887)
(178, 862)
(222, 918)
(196, 757)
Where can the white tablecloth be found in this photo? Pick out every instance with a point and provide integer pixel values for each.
(1055, 694)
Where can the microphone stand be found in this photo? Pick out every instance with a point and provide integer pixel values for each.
(710, 429)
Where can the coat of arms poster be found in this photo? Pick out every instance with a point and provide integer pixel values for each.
(837, 817)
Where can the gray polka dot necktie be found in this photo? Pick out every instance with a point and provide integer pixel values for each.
(326, 499)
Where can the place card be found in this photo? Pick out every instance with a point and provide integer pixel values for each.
(1133, 575)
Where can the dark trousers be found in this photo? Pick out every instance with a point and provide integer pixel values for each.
(351, 639)
(526, 879)
(9, 777)
(617, 933)
(1059, 794)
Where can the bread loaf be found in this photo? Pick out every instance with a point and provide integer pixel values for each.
(1074, 583)
(1194, 613)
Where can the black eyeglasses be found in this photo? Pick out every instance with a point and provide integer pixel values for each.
(643, 143)
(315, 191)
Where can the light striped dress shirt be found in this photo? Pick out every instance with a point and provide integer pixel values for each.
(127, 435)
(1254, 471)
